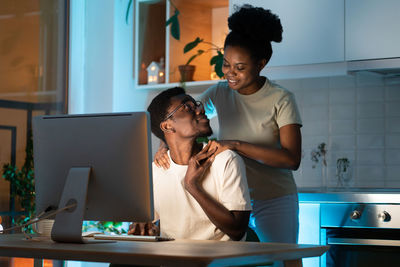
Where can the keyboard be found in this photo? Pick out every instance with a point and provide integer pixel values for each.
(143, 238)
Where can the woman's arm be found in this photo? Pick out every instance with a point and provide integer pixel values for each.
(161, 158)
(287, 157)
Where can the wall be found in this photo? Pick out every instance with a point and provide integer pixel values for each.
(358, 117)
(101, 59)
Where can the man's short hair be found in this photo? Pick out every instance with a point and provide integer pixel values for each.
(158, 109)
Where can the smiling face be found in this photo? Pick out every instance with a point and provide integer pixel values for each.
(241, 71)
(188, 119)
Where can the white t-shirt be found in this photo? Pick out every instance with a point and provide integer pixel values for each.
(256, 119)
(181, 216)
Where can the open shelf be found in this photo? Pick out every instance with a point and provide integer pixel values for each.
(206, 19)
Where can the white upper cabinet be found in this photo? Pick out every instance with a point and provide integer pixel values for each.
(313, 30)
(372, 29)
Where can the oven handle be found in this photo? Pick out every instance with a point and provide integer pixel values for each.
(363, 242)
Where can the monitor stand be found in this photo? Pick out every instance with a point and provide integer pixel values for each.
(68, 224)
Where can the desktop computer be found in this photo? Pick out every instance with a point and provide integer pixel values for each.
(98, 164)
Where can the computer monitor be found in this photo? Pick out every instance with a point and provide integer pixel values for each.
(101, 162)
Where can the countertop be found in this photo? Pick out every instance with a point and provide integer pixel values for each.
(377, 197)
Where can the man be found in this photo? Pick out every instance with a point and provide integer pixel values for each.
(203, 195)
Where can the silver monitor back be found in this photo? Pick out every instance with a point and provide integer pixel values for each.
(117, 148)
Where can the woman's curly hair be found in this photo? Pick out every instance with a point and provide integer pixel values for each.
(254, 28)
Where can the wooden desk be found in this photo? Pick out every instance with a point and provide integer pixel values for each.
(170, 253)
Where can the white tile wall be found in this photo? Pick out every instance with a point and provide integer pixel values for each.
(392, 156)
(342, 142)
(393, 124)
(371, 141)
(342, 82)
(370, 110)
(371, 125)
(358, 117)
(368, 173)
(342, 127)
(342, 112)
(315, 113)
(370, 94)
(392, 93)
(392, 172)
(392, 109)
(370, 157)
(392, 140)
(342, 96)
(315, 96)
(315, 127)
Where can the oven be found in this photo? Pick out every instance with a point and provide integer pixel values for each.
(361, 234)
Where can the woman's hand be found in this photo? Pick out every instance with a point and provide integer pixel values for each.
(288, 156)
(198, 165)
(140, 228)
(161, 158)
(222, 145)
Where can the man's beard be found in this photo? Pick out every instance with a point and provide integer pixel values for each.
(206, 133)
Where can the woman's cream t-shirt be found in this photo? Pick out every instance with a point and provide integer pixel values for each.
(256, 119)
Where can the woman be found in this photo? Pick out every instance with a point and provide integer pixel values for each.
(260, 121)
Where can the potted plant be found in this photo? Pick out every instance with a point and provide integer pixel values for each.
(187, 70)
(22, 182)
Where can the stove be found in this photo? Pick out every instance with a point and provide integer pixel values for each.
(361, 234)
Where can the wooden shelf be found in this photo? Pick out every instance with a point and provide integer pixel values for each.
(206, 19)
(193, 86)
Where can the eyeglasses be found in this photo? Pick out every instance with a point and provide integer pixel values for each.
(190, 106)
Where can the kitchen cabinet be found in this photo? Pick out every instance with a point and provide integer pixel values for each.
(309, 229)
(372, 29)
(313, 30)
(206, 19)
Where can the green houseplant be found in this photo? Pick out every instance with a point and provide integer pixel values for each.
(216, 60)
(187, 70)
(22, 182)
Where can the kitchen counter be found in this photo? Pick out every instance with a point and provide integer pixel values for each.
(351, 197)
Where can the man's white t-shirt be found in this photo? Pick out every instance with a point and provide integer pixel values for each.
(181, 216)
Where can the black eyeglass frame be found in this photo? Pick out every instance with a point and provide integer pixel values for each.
(184, 102)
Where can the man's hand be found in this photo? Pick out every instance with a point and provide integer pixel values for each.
(147, 228)
(198, 165)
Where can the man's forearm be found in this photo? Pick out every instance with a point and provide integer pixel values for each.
(234, 226)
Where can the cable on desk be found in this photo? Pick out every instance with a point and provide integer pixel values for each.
(41, 216)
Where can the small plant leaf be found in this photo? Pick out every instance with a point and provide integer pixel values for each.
(199, 52)
(191, 59)
(127, 11)
(218, 61)
(214, 60)
(175, 32)
(191, 45)
(173, 20)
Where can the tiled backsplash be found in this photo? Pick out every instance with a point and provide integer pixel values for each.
(358, 117)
